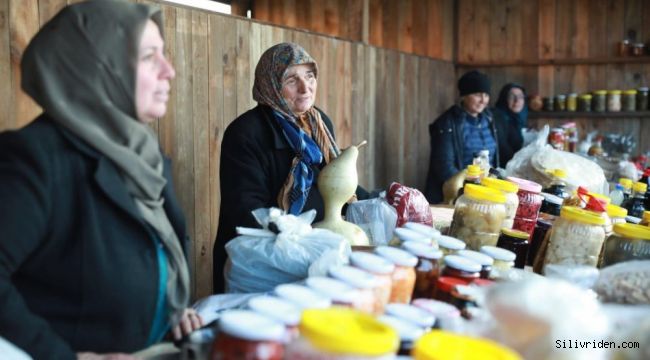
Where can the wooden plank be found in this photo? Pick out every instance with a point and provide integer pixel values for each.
(632, 20)
(354, 11)
(448, 21)
(375, 23)
(514, 29)
(405, 26)
(6, 89)
(530, 33)
(242, 64)
(581, 20)
(410, 113)
(598, 31)
(430, 39)
(565, 29)
(23, 24)
(261, 10)
(496, 29)
(389, 24)
(48, 8)
(316, 18)
(615, 26)
(371, 90)
(482, 38)
(332, 21)
(546, 29)
(465, 31)
(288, 13)
(358, 117)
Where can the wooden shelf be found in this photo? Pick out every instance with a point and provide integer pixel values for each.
(573, 61)
(580, 114)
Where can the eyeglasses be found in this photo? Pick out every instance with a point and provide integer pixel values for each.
(516, 97)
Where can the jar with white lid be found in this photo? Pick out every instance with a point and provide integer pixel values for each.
(461, 268)
(278, 309)
(408, 332)
(447, 315)
(361, 280)
(504, 259)
(427, 270)
(404, 234)
(340, 293)
(403, 277)
(419, 317)
(302, 296)
(245, 334)
(485, 261)
(450, 245)
(382, 270)
(430, 231)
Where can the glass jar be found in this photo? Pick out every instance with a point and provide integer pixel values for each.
(576, 238)
(517, 242)
(279, 310)
(485, 261)
(629, 242)
(450, 245)
(560, 102)
(427, 270)
(245, 334)
(478, 216)
(427, 230)
(645, 219)
(642, 99)
(548, 103)
(638, 49)
(445, 285)
(446, 345)
(342, 334)
(414, 315)
(446, 315)
(614, 100)
(584, 102)
(624, 47)
(403, 277)
(599, 101)
(551, 204)
(509, 190)
(340, 293)
(407, 332)
(572, 102)
(461, 267)
(530, 201)
(628, 101)
(538, 243)
(382, 270)
(557, 138)
(302, 296)
(362, 281)
(404, 234)
(503, 259)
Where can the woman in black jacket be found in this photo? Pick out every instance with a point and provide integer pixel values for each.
(91, 234)
(511, 117)
(272, 154)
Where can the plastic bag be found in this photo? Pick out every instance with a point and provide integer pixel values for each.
(629, 324)
(411, 205)
(583, 276)
(376, 217)
(625, 283)
(281, 252)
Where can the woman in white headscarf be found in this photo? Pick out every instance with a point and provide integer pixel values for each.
(91, 234)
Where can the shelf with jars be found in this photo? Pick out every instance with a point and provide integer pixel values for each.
(588, 114)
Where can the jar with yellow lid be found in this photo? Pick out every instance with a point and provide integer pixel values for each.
(576, 237)
(628, 101)
(616, 215)
(584, 102)
(342, 334)
(628, 242)
(614, 100)
(478, 216)
(599, 101)
(473, 175)
(517, 242)
(635, 205)
(509, 190)
(439, 345)
(627, 187)
(572, 102)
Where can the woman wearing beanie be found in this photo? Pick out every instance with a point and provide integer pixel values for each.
(460, 132)
(510, 117)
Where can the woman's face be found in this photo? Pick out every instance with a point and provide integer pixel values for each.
(475, 103)
(152, 77)
(516, 100)
(299, 88)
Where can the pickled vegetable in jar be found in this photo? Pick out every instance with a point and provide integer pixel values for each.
(403, 277)
(572, 102)
(427, 270)
(414, 315)
(408, 333)
(614, 100)
(509, 190)
(478, 216)
(382, 270)
(584, 102)
(503, 259)
(279, 310)
(628, 101)
(340, 293)
(530, 201)
(361, 280)
(560, 102)
(444, 286)
(599, 101)
(450, 245)
(576, 238)
(461, 267)
(642, 99)
(302, 296)
(485, 261)
(245, 334)
(517, 242)
(628, 242)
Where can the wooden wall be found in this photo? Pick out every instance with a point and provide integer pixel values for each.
(381, 95)
(422, 27)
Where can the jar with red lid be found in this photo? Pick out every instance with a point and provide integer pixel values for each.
(403, 278)
(340, 293)
(460, 267)
(530, 201)
(382, 270)
(485, 261)
(445, 284)
(361, 280)
(245, 334)
(302, 296)
(427, 270)
(280, 310)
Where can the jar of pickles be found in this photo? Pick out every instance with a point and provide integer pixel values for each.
(485, 261)
(504, 259)
(584, 102)
(280, 310)
(614, 100)
(450, 245)
(628, 101)
(362, 281)
(560, 102)
(245, 334)
(530, 201)
(478, 216)
(382, 270)
(517, 242)
(403, 277)
(576, 238)
(629, 242)
(642, 99)
(572, 102)
(427, 270)
(508, 189)
(461, 267)
(340, 293)
(599, 101)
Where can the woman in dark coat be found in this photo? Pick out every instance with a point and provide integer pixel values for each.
(511, 117)
(91, 234)
(272, 154)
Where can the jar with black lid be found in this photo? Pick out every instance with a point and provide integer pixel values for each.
(517, 242)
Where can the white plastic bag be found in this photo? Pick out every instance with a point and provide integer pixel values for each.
(281, 252)
(376, 217)
(625, 283)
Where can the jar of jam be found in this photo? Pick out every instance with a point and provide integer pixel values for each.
(342, 334)
(509, 190)
(584, 102)
(485, 261)
(478, 215)
(414, 315)
(530, 201)
(628, 101)
(447, 316)
(403, 277)
(408, 333)
(503, 259)
(560, 102)
(427, 230)
(362, 281)
(599, 101)
(302, 296)
(279, 310)
(629, 242)
(245, 334)
(461, 267)
(642, 99)
(404, 234)
(572, 102)
(427, 270)
(614, 100)
(382, 270)
(450, 245)
(517, 242)
(548, 103)
(445, 285)
(340, 293)
(551, 204)
(557, 138)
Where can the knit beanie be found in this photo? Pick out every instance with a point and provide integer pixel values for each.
(473, 82)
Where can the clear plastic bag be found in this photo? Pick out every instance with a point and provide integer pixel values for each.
(625, 283)
(583, 276)
(281, 252)
(410, 203)
(376, 217)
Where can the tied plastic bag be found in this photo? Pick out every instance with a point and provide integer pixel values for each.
(411, 205)
(376, 217)
(281, 252)
(625, 283)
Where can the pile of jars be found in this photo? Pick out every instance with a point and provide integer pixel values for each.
(599, 101)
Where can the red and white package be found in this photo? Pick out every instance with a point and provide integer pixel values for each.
(410, 203)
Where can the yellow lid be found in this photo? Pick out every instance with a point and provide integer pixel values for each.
(646, 216)
(479, 192)
(585, 96)
(625, 182)
(345, 331)
(616, 211)
(600, 92)
(639, 187)
(442, 345)
(580, 215)
(515, 233)
(633, 231)
(614, 92)
(558, 173)
(629, 92)
(474, 170)
(501, 185)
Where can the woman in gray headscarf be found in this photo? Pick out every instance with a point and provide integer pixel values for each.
(91, 234)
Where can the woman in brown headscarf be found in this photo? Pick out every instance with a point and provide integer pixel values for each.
(272, 154)
(90, 230)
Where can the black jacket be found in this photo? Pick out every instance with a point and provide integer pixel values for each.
(446, 158)
(255, 162)
(78, 265)
(511, 138)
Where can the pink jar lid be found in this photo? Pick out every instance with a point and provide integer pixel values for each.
(526, 185)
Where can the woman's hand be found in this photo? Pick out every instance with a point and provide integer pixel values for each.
(190, 321)
(113, 356)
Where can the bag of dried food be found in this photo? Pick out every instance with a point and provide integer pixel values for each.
(625, 283)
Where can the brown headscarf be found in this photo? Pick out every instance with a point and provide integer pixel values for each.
(81, 68)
